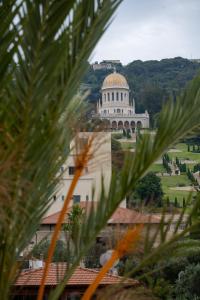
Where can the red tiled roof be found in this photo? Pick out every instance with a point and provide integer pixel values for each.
(120, 216)
(81, 276)
(130, 216)
(52, 219)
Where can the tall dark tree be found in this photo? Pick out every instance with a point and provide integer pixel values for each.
(149, 189)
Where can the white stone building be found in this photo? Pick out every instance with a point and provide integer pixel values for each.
(116, 107)
(90, 183)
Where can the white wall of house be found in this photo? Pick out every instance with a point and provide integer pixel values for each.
(100, 166)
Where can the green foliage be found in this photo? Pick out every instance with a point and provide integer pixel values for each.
(182, 167)
(171, 268)
(175, 122)
(165, 161)
(151, 82)
(187, 286)
(149, 189)
(45, 46)
(124, 132)
(176, 202)
(167, 202)
(75, 218)
(117, 136)
(191, 176)
(92, 257)
(60, 254)
(117, 154)
(162, 289)
(44, 51)
(73, 226)
(196, 168)
(128, 133)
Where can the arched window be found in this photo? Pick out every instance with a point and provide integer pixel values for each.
(126, 124)
(121, 96)
(124, 95)
(114, 124)
(139, 124)
(108, 97)
(120, 124)
(132, 124)
(117, 96)
(118, 110)
(105, 97)
(112, 96)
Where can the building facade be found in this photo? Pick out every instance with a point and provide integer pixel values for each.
(106, 65)
(89, 184)
(116, 107)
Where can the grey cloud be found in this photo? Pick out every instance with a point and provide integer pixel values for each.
(152, 29)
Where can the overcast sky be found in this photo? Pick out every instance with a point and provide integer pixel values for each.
(152, 29)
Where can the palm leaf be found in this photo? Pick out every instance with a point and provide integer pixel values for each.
(50, 43)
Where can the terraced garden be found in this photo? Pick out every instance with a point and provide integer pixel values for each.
(169, 183)
(173, 186)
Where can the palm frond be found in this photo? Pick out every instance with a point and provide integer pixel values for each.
(49, 43)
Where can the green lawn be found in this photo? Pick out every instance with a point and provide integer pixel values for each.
(184, 154)
(127, 145)
(175, 181)
(178, 194)
(157, 168)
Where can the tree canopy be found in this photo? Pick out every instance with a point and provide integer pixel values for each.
(149, 188)
(151, 82)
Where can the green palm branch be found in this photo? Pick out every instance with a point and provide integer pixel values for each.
(44, 50)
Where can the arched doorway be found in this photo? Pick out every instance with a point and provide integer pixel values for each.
(139, 124)
(120, 125)
(114, 125)
(126, 124)
(133, 126)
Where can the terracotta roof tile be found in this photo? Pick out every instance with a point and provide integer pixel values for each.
(120, 216)
(81, 276)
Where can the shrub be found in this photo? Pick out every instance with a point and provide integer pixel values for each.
(187, 286)
(118, 136)
(181, 184)
(162, 289)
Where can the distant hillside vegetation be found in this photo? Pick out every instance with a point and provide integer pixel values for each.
(151, 82)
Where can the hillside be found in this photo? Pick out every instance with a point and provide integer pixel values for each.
(151, 82)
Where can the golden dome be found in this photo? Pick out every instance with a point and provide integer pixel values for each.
(115, 80)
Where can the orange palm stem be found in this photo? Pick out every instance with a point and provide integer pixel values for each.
(81, 162)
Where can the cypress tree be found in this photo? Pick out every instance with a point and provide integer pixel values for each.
(124, 132)
(167, 202)
(176, 202)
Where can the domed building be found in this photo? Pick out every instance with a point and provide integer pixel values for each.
(116, 106)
